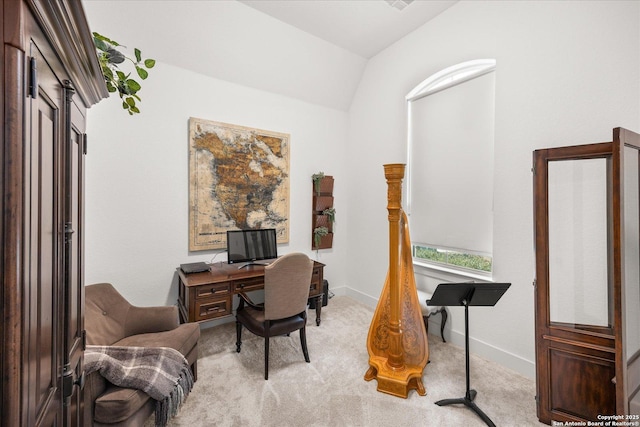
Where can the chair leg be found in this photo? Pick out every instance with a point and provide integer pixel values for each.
(238, 336)
(445, 315)
(194, 371)
(425, 319)
(303, 341)
(266, 357)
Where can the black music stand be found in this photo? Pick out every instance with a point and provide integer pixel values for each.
(466, 294)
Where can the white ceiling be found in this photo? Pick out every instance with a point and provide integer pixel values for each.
(311, 50)
(364, 27)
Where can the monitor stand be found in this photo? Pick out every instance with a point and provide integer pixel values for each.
(247, 265)
(251, 264)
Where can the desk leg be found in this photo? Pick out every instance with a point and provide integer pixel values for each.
(182, 312)
(319, 309)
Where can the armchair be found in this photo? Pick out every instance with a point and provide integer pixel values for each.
(111, 320)
(286, 292)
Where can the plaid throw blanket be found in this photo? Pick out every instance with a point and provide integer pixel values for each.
(163, 373)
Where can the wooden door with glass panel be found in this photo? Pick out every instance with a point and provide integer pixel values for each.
(587, 279)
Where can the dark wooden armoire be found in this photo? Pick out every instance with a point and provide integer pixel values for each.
(49, 77)
(587, 304)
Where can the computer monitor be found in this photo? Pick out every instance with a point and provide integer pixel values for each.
(251, 245)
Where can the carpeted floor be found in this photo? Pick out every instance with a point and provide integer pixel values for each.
(331, 391)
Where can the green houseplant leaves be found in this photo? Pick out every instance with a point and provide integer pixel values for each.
(110, 59)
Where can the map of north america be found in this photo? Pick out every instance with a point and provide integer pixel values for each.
(239, 179)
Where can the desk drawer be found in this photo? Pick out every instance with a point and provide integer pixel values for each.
(208, 291)
(250, 284)
(206, 310)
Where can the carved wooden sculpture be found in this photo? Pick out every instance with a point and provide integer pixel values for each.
(397, 341)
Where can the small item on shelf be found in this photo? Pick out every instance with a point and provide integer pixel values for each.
(318, 234)
(322, 184)
(316, 178)
(322, 221)
(331, 214)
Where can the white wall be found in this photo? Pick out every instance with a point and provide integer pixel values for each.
(567, 73)
(137, 178)
(228, 40)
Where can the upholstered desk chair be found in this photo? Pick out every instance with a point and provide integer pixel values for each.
(429, 310)
(286, 291)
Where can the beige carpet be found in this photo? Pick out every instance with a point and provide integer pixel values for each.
(331, 391)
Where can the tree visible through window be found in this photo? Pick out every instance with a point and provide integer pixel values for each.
(458, 258)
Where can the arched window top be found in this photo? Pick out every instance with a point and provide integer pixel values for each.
(452, 76)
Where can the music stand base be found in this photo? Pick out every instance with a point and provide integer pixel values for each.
(468, 402)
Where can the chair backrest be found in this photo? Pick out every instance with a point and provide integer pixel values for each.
(286, 286)
(105, 314)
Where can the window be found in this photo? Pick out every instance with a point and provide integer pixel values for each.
(450, 173)
(461, 259)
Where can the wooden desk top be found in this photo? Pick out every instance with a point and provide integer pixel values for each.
(223, 272)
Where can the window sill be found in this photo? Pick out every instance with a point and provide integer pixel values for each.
(449, 274)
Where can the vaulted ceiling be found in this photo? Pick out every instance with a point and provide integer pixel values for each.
(314, 50)
(363, 27)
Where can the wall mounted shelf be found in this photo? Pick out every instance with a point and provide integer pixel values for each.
(322, 200)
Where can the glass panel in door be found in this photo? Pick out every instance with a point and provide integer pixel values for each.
(578, 240)
(631, 250)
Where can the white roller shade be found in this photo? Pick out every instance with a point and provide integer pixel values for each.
(451, 172)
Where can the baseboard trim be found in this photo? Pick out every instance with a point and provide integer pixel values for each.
(341, 291)
(487, 351)
(361, 297)
(477, 347)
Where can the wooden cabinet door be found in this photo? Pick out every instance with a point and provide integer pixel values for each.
(42, 392)
(587, 287)
(55, 290)
(73, 282)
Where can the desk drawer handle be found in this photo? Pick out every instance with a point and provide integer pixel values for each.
(212, 291)
(214, 309)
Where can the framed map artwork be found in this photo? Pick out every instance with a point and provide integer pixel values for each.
(238, 179)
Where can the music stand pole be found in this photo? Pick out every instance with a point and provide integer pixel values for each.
(466, 294)
(470, 395)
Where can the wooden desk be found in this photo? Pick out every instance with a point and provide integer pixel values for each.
(209, 295)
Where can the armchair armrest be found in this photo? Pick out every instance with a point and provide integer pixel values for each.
(244, 298)
(94, 386)
(142, 320)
